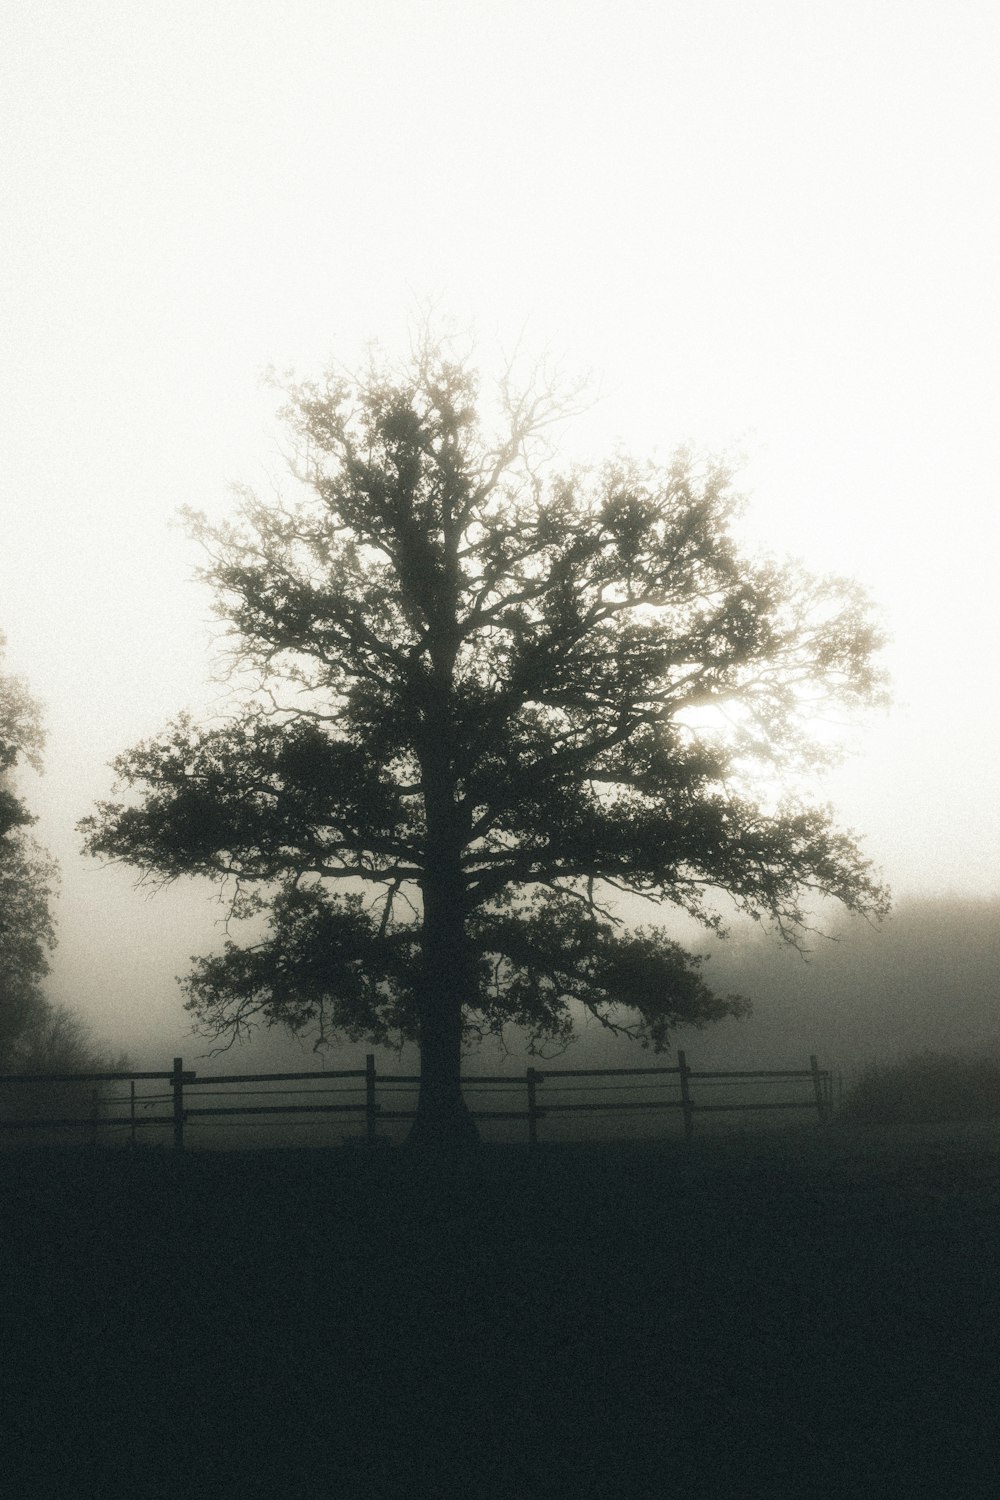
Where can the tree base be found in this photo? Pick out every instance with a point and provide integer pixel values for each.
(443, 1131)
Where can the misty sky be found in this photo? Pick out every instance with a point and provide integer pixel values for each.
(771, 228)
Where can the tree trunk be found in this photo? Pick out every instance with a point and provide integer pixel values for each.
(443, 1120)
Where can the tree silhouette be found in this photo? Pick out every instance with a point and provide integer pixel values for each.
(27, 872)
(485, 698)
(36, 1036)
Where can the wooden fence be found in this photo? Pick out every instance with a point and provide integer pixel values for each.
(172, 1107)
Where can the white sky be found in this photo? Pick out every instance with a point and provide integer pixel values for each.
(772, 227)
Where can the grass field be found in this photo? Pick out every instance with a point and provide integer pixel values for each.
(805, 1313)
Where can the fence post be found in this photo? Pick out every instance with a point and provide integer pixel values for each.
(686, 1106)
(532, 1081)
(131, 1113)
(818, 1089)
(95, 1111)
(177, 1084)
(371, 1108)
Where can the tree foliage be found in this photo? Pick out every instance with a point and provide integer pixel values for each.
(21, 739)
(27, 872)
(481, 698)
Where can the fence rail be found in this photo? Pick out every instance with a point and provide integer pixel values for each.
(173, 1108)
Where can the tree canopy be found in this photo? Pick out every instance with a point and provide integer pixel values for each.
(476, 698)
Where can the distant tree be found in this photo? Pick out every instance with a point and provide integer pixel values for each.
(48, 1038)
(39, 1037)
(51, 1038)
(36, 1036)
(21, 739)
(494, 698)
(27, 872)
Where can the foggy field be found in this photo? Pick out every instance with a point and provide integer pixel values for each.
(758, 1315)
(497, 530)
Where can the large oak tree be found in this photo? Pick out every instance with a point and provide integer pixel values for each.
(480, 699)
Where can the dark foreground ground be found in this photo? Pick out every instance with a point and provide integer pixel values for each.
(817, 1314)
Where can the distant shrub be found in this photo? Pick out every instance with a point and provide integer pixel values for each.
(43, 1038)
(926, 1088)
